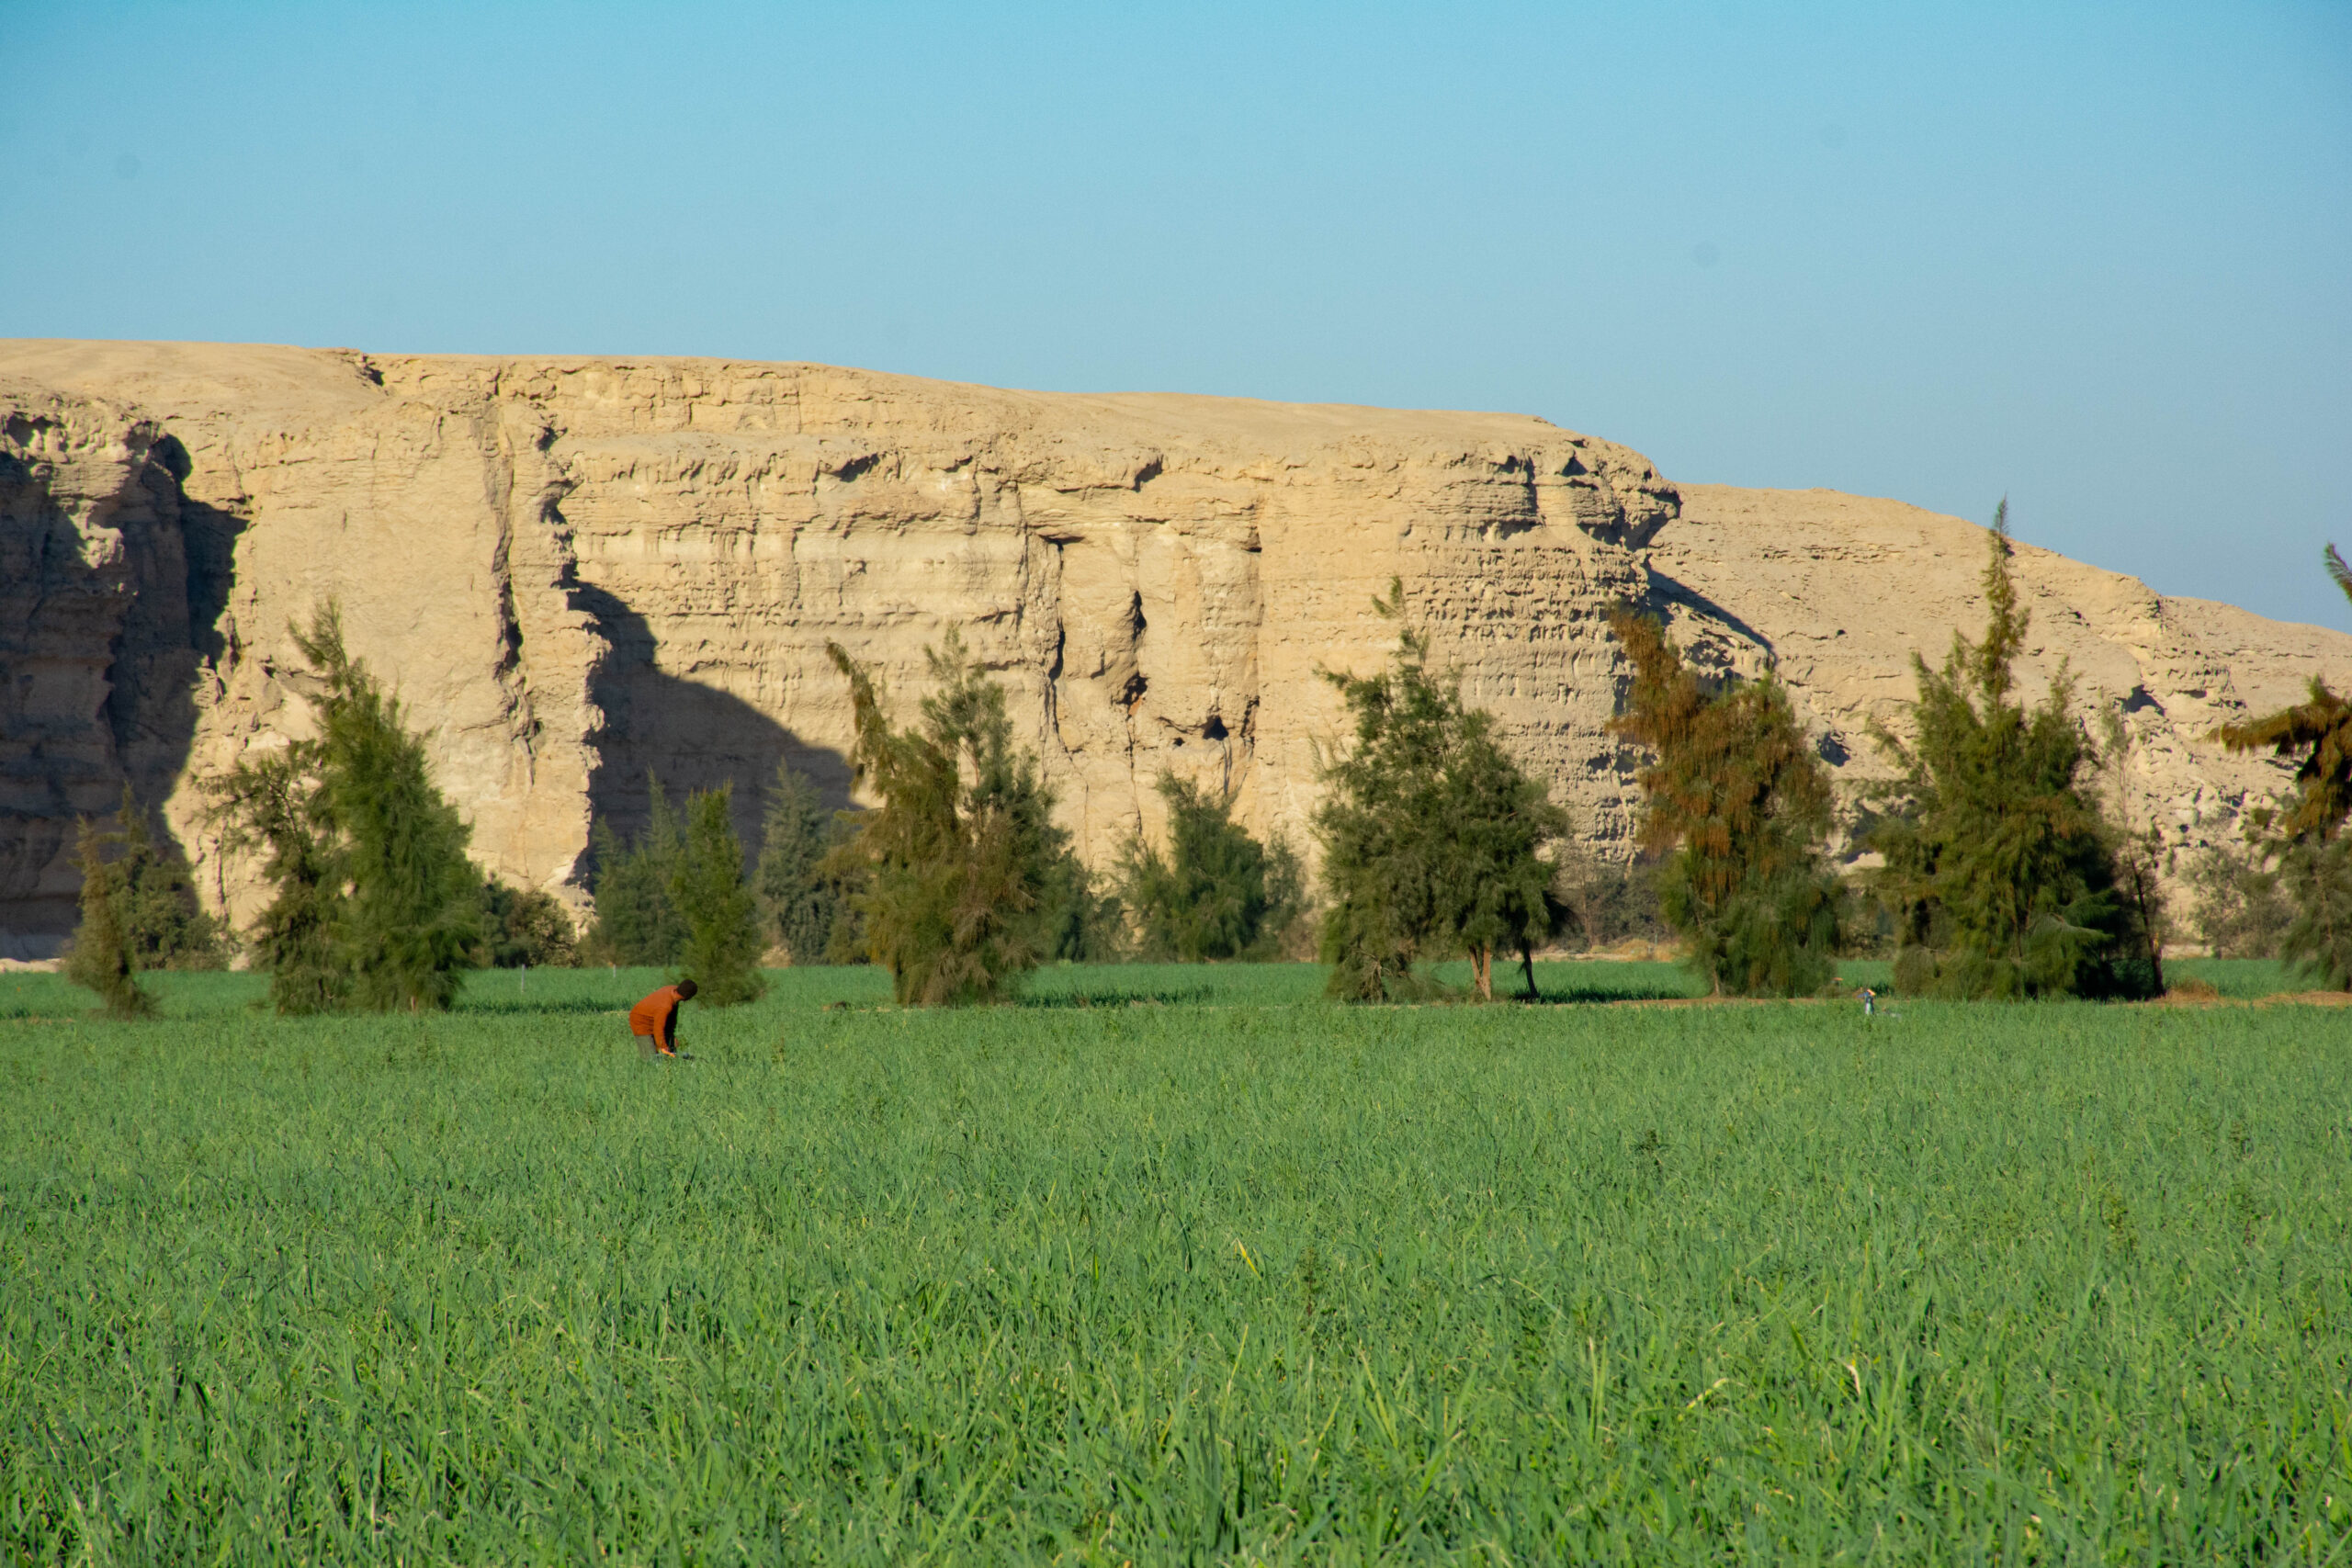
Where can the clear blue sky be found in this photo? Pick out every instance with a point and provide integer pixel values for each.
(2099, 258)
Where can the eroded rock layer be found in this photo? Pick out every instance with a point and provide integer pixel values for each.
(581, 573)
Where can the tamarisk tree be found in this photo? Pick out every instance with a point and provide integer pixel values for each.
(1740, 805)
(103, 957)
(2000, 868)
(707, 888)
(1432, 835)
(2304, 835)
(376, 906)
(962, 854)
(1216, 892)
(801, 902)
(638, 922)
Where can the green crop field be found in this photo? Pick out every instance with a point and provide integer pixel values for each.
(1175, 1265)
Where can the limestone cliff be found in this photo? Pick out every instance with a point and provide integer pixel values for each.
(577, 571)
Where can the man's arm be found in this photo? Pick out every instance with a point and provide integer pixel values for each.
(670, 1025)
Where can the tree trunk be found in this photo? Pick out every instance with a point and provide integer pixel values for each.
(2140, 877)
(1482, 963)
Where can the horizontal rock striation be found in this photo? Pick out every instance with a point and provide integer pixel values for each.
(579, 573)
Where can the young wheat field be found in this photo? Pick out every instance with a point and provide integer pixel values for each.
(1174, 1264)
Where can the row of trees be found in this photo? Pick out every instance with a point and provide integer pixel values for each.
(959, 882)
(2003, 876)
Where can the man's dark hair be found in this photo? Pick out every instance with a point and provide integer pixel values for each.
(685, 990)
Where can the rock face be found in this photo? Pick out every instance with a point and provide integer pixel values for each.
(1839, 591)
(577, 572)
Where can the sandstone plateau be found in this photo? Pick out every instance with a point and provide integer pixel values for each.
(575, 572)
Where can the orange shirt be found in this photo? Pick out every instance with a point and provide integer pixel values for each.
(655, 1015)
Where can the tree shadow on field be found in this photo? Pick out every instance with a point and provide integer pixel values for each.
(1112, 996)
(526, 1005)
(1574, 995)
(1577, 983)
(690, 736)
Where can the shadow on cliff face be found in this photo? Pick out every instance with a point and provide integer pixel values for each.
(1666, 592)
(690, 736)
(120, 638)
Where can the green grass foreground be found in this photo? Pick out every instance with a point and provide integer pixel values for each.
(1174, 1264)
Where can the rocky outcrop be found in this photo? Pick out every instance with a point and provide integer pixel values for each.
(1840, 590)
(109, 587)
(580, 572)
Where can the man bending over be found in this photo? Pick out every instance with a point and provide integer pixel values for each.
(654, 1021)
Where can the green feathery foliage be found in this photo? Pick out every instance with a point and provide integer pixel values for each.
(103, 957)
(2304, 836)
(723, 941)
(1217, 893)
(377, 906)
(1999, 869)
(962, 852)
(167, 927)
(801, 902)
(414, 907)
(274, 806)
(525, 928)
(2316, 874)
(847, 871)
(2318, 732)
(1080, 917)
(1432, 835)
(2241, 909)
(638, 922)
(1739, 803)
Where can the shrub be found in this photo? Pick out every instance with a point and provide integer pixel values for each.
(1217, 893)
(166, 927)
(637, 922)
(525, 928)
(2240, 910)
(706, 887)
(1082, 918)
(1610, 903)
(962, 854)
(102, 957)
(1739, 805)
(801, 900)
(846, 870)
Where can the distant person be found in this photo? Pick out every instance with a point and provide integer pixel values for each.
(654, 1021)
